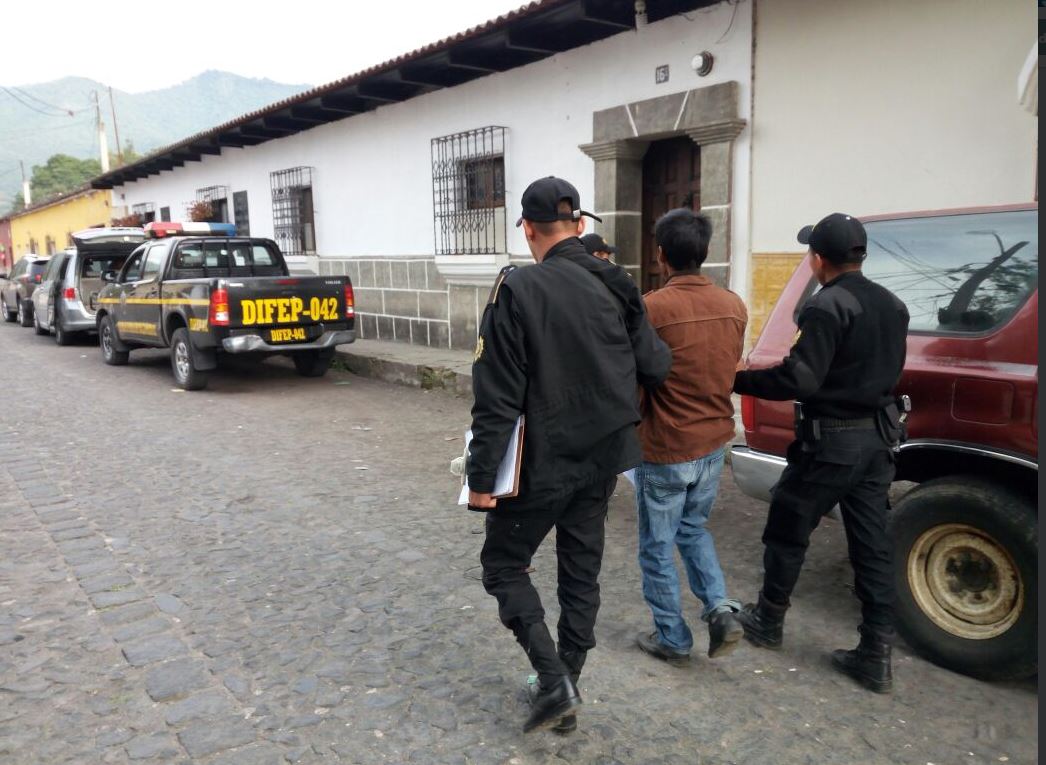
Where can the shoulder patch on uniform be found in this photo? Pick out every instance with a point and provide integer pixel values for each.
(498, 282)
(479, 350)
(795, 340)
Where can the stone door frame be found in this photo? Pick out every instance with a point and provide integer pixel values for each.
(621, 136)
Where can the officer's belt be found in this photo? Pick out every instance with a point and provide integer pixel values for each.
(865, 423)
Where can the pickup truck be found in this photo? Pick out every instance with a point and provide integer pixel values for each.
(966, 536)
(200, 290)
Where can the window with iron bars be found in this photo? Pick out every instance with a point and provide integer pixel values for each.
(468, 192)
(218, 198)
(293, 220)
(146, 211)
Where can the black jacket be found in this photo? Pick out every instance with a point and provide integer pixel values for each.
(565, 343)
(848, 356)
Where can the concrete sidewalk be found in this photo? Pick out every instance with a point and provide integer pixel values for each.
(415, 365)
(431, 368)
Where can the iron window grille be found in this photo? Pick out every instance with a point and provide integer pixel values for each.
(146, 211)
(218, 198)
(468, 192)
(293, 219)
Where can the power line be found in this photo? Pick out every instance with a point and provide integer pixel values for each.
(41, 101)
(30, 105)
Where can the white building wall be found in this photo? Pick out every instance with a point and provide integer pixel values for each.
(372, 180)
(885, 107)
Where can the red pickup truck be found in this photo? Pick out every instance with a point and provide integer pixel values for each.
(966, 537)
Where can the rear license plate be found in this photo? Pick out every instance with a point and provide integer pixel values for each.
(288, 335)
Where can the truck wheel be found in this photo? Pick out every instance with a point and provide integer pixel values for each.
(185, 374)
(313, 363)
(8, 314)
(107, 342)
(965, 562)
(25, 315)
(36, 325)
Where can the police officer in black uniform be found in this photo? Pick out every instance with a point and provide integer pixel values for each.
(563, 342)
(842, 370)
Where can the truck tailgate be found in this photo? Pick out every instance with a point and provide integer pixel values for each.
(289, 301)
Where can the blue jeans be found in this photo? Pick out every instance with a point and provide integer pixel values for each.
(673, 503)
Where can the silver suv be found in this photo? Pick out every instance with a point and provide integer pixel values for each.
(16, 288)
(65, 301)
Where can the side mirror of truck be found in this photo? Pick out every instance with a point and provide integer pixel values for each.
(109, 277)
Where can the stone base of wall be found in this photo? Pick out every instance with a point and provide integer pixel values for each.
(770, 274)
(407, 300)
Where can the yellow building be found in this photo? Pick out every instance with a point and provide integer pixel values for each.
(47, 226)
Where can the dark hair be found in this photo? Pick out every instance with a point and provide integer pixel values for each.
(683, 237)
(555, 226)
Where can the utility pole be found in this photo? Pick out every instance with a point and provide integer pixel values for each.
(116, 130)
(103, 141)
(25, 185)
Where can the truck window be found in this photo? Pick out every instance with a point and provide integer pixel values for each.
(153, 260)
(957, 273)
(133, 269)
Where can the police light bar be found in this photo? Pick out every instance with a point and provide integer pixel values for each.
(160, 229)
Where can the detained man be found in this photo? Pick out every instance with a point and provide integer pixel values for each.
(686, 424)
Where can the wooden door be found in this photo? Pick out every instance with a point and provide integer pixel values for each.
(671, 179)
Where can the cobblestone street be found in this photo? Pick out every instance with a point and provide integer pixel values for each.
(274, 570)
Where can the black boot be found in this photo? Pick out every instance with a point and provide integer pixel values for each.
(552, 702)
(869, 663)
(575, 661)
(763, 623)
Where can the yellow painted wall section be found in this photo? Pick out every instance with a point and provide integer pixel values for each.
(31, 231)
(770, 274)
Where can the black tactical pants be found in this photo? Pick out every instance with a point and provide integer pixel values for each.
(512, 539)
(851, 468)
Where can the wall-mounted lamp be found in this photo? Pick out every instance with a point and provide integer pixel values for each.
(702, 63)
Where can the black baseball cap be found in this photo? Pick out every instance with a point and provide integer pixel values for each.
(541, 201)
(595, 243)
(838, 237)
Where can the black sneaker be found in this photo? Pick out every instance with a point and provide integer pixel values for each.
(649, 642)
(566, 725)
(724, 633)
(550, 704)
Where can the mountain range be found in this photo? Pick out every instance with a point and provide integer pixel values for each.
(35, 123)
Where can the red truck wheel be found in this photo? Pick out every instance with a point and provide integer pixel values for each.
(966, 560)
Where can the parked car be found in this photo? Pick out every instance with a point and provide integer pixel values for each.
(16, 288)
(66, 299)
(199, 289)
(966, 538)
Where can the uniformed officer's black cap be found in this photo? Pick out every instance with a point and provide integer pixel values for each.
(541, 201)
(595, 243)
(838, 237)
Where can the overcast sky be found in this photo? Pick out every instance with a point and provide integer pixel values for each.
(137, 47)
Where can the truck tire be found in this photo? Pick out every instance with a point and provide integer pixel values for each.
(25, 313)
(8, 314)
(107, 342)
(313, 363)
(966, 567)
(186, 375)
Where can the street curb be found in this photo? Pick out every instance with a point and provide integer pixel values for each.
(405, 372)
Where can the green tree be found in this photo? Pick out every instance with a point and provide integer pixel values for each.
(129, 155)
(61, 174)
